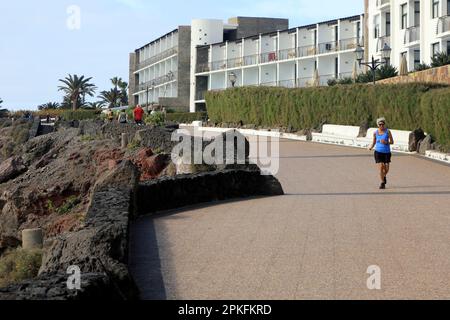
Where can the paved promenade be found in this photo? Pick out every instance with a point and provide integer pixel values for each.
(316, 242)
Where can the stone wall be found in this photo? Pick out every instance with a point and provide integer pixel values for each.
(185, 190)
(34, 128)
(435, 75)
(100, 249)
(132, 79)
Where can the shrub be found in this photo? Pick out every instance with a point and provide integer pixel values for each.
(407, 106)
(70, 115)
(68, 205)
(345, 81)
(19, 265)
(422, 67)
(440, 59)
(155, 119)
(186, 117)
(332, 82)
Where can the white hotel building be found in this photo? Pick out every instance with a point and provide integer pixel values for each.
(287, 58)
(415, 28)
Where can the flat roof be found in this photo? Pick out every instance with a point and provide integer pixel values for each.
(290, 30)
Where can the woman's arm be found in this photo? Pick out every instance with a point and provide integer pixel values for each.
(391, 138)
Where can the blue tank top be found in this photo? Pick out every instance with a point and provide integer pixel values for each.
(380, 147)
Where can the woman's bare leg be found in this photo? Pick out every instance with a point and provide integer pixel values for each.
(382, 171)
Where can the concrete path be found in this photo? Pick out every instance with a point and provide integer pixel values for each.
(316, 242)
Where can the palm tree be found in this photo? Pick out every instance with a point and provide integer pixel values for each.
(74, 87)
(111, 97)
(95, 105)
(49, 106)
(1, 101)
(118, 83)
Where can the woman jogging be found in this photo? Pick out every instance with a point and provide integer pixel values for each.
(382, 141)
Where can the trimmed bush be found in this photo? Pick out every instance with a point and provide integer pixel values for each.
(406, 106)
(79, 115)
(186, 117)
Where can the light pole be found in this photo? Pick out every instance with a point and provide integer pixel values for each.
(375, 63)
(233, 78)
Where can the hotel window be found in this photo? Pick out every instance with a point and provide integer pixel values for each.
(448, 7)
(435, 9)
(358, 30)
(336, 68)
(435, 49)
(388, 24)
(416, 13)
(448, 47)
(404, 12)
(416, 58)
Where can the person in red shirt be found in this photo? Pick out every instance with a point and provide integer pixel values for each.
(138, 115)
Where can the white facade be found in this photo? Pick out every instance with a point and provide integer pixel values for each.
(415, 28)
(204, 32)
(286, 58)
(158, 69)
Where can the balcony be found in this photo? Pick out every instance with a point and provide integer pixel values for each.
(382, 3)
(158, 81)
(382, 41)
(328, 47)
(158, 57)
(306, 51)
(281, 55)
(412, 35)
(235, 63)
(443, 25)
(218, 65)
(350, 43)
(287, 54)
(268, 57)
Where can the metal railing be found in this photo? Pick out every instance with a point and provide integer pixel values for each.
(443, 25)
(292, 83)
(327, 47)
(381, 3)
(158, 57)
(412, 34)
(351, 43)
(382, 41)
(269, 84)
(306, 51)
(251, 60)
(268, 57)
(281, 55)
(235, 63)
(158, 81)
(287, 54)
(218, 65)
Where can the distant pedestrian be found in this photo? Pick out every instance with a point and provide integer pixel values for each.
(109, 115)
(382, 141)
(123, 117)
(138, 115)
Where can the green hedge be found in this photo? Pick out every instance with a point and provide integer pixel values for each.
(70, 115)
(406, 106)
(186, 117)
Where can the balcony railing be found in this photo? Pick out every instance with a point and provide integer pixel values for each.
(327, 47)
(350, 43)
(306, 51)
(382, 41)
(158, 81)
(268, 57)
(251, 60)
(443, 25)
(218, 65)
(158, 57)
(412, 34)
(287, 54)
(235, 63)
(381, 3)
(292, 83)
(281, 55)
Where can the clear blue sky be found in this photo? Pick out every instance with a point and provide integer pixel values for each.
(37, 48)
